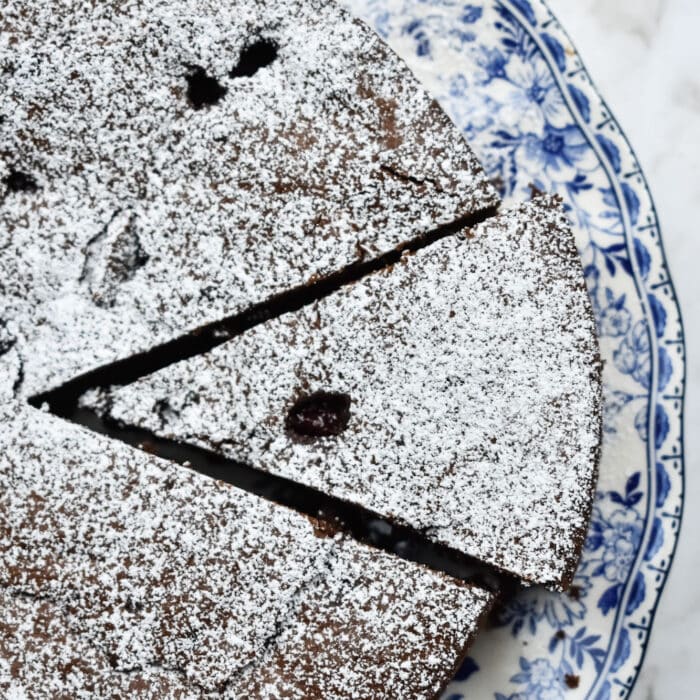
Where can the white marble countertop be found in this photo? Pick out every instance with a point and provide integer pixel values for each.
(644, 56)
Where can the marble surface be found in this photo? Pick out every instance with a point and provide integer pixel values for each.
(644, 57)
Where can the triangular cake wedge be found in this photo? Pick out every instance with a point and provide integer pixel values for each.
(123, 572)
(165, 165)
(458, 392)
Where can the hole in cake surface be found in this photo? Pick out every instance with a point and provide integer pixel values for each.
(321, 414)
(18, 181)
(202, 89)
(133, 606)
(259, 54)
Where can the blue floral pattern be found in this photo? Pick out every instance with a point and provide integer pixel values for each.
(509, 77)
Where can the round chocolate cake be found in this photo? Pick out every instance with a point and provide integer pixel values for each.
(286, 404)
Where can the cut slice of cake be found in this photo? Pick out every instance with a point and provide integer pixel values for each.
(165, 165)
(122, 571)
(458, 393)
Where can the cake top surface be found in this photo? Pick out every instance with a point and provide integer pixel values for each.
(182, 581)
(457, 393)
(166, 164)
(40, 656)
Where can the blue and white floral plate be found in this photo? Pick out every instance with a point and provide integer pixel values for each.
(509, 77)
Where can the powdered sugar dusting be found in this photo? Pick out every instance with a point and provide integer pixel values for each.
(329, 154)
(474, 379)
(136, 573)
(133, 210)
(41, 656)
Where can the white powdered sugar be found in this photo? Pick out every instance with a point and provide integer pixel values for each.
(147, 187)
(473, 373)
(41, 656)
(165, 165)
(121, 571)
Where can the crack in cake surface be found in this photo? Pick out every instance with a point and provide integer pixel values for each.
(333, 513)
(206, 337)
(45, 654)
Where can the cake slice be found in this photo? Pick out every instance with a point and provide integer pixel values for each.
(122, 571)
(167, 165)
(458, 393)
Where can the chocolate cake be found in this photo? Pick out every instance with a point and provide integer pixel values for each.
(167, 164)
(458, 393)
(260, 201)
(120, 571)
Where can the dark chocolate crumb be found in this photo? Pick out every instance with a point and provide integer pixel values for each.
(535, 191)
(574, 593)
(324, 528)
(500, 184)
(571, 681)
(257, 55)
(149, 448)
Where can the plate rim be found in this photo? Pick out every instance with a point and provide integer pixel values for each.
(568, 69)
(679, 413)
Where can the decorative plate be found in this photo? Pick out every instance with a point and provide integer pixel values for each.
(509, 77)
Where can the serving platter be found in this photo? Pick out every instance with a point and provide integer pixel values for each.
(510, 78)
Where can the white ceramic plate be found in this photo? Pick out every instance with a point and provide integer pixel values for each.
(510, 78)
